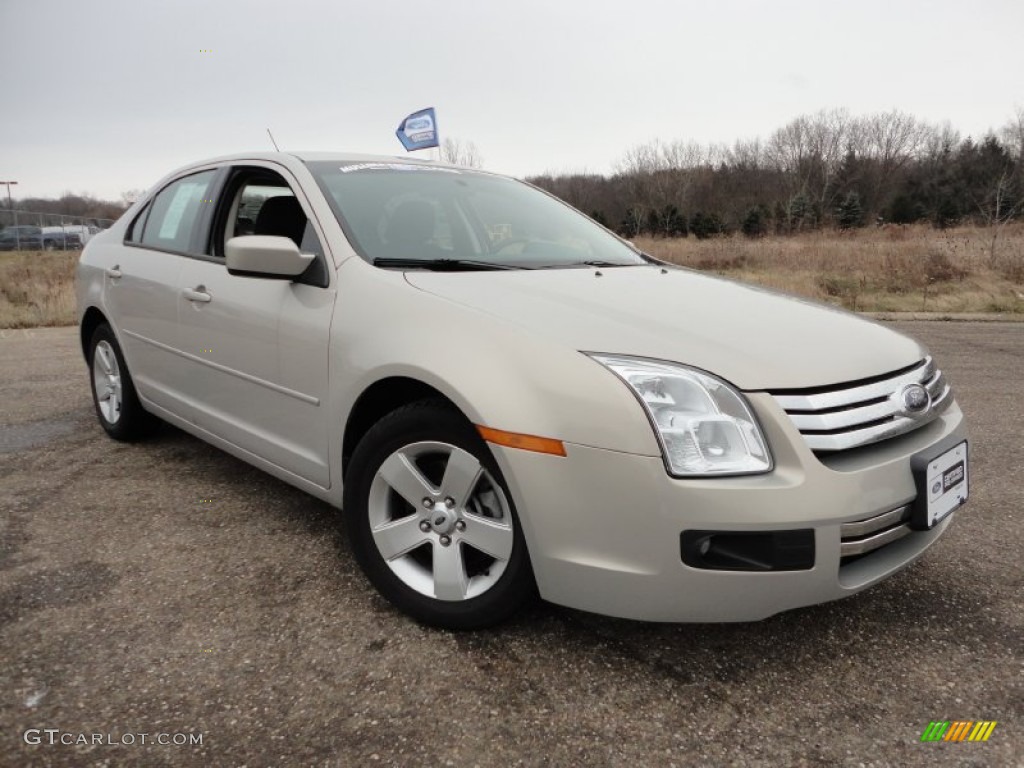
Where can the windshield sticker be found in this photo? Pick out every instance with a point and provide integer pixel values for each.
(393, 167)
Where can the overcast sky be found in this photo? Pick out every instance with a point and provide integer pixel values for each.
(102, 96)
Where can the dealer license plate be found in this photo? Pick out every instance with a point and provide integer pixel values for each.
(945, 484)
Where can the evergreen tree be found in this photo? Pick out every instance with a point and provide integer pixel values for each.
(947, 212)
(654, 226)
(904, 210)
(631, 224)
(799, 212)
(755, 223)
(850, 213)
(673, 222)
(705, 225)
(781, 219)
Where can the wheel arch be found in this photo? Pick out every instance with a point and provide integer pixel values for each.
(92, 318)
(378, 400)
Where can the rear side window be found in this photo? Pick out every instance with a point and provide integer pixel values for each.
(170, 219)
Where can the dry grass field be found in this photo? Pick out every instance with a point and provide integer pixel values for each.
(876, 269)
(886, 269)
(37, 288)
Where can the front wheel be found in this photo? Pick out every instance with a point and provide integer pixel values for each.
(432, 523)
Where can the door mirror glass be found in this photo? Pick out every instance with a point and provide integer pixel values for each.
(268, 256)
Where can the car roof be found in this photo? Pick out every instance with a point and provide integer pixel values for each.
(340, 157)
(293, 159)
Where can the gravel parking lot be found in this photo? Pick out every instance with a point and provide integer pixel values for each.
(167, 588)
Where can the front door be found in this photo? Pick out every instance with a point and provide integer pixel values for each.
(256, 349)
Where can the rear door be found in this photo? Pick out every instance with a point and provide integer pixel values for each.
(141, 287)
(256, 349)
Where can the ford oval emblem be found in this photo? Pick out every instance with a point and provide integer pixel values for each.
(915, 399)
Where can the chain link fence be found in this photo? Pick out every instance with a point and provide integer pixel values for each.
(22, 230)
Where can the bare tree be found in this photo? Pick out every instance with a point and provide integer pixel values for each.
(810, 150)
(989, 173)
(892, 140)
(129, 196)
(999, 206)
(1013, 135)
(461, 152)
(660, 175)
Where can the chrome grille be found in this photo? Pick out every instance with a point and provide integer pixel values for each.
(861, 413)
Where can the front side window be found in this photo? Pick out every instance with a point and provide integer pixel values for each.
(422, 213)
(169, 221)
(271, 209)
(260, 202)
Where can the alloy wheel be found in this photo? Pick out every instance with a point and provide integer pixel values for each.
(440, 521)
(106, 376)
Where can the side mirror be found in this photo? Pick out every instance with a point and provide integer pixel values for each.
(265, 256)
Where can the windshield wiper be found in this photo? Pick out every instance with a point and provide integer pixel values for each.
(441, 265)
(590, 263)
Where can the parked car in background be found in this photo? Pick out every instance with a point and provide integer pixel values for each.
(30, 238)
(81, 233)
(66, 238)
(22, 237)
(501, 393)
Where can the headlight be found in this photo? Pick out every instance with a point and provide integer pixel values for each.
(704, 425)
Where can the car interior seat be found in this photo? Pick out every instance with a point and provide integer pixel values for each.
(281, 216)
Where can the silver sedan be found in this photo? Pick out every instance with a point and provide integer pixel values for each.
(504, 397)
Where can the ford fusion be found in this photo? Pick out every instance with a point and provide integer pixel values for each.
(504, 397)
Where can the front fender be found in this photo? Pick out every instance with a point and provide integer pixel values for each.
(499, 374)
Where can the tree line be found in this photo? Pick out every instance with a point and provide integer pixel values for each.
(828, 169)
(68, 204)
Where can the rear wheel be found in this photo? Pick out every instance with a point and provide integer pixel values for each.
(432, 523)
(113, 392)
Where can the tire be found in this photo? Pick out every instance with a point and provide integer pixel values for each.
(483, 575)
(113, 392)
(49, 245)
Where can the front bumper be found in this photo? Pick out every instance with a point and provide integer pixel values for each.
(603, 527)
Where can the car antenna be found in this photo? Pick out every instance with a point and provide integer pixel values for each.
(272, 140)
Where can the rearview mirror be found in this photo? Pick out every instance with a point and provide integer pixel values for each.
(265, 256)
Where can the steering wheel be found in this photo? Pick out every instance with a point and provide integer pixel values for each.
(504, 244)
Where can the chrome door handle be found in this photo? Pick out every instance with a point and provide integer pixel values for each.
(197, 294)
(114, 272)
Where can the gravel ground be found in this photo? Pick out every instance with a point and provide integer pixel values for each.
(168, 588)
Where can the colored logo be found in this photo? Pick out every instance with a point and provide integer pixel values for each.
(418, 125)
(418, 130)
(959, 730)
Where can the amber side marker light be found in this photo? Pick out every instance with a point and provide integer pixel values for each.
(523, 442)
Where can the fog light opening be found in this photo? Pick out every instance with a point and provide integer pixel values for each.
(741, 551)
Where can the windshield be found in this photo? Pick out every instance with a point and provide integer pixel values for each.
(398, 214)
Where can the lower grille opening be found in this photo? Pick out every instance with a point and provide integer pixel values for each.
(739, 551)
(863, 537)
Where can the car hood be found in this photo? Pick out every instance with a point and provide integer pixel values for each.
(752, 337)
